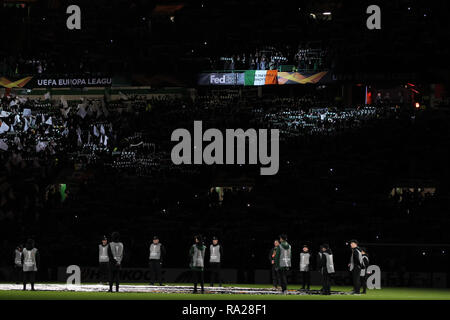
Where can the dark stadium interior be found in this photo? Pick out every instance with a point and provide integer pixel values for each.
(377, 173)
(129, 37)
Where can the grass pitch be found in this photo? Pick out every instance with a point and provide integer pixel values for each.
(382, 294)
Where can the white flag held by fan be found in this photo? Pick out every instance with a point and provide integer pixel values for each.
(63, 102)
(81, 111)
(49, 121)
(41, 145)
(123, 96)
(26, 112)
(3, 145)
(96, 131)
(4, 127)
(4, 114)
(25, 127)
(65, 112)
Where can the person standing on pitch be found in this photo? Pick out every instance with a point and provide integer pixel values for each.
(115, 253)
(305, 267)
(18, 264)
(283, 261)
(197, 264)
(103, 260)
(157, 253)
(215, 259)
(30, 262)
(355, 266)
(325, 265)
(275, 274)
(364, 273)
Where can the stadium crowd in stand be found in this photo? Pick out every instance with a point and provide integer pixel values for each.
(114, 157)
(118, 132)
(304, 58)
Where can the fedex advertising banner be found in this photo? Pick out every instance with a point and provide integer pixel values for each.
(221, 79)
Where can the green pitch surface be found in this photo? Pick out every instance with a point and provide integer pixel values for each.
(383, 294)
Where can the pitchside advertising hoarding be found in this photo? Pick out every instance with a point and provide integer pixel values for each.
(56, 81)
(221, 79)
(260, 276)
(74, 82)
(262, 78)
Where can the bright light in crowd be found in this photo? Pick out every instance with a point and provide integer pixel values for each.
(327, 13)
(417, 105)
